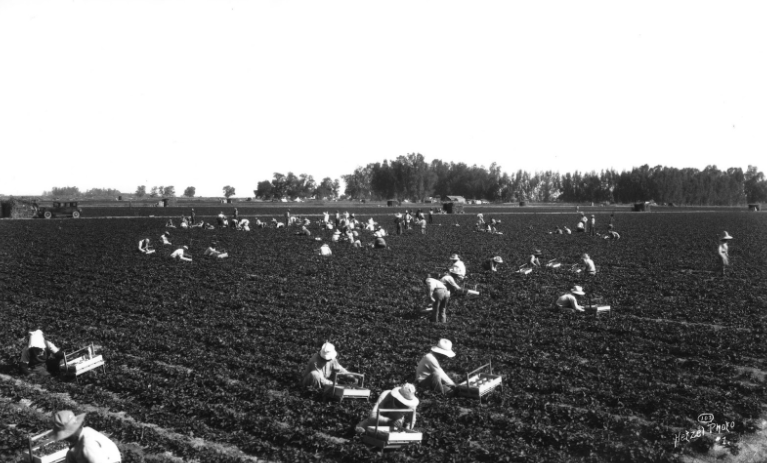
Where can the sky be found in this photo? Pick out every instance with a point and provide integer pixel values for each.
(121, 93)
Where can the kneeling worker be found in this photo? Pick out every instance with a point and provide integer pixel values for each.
(588, 265)
(570, 301)
(179, 254)
(40, 351)
(492, 264)
(380, 243)
(87, 444)
(402, 398)
(322, 368)
(212, 252)
(145, 247)
(429, 374)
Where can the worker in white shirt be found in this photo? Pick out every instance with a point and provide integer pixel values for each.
(322, 368)
(212, 252)
(724, 250)
(86, 444)
(439, 296)
(145, 247)
(304, 231)
(480, 219)
(457, 268)
(244, 225)
(165, 238)
(325, 218)
(569, 301)
(567, 230)
(399, 398)
(588, 265)
(325, 250)
(535, 258)
(593, 227)
(379, 243)
(336, 236)
(581, 227)
(39, 351)
(179, 254)
(429, 374)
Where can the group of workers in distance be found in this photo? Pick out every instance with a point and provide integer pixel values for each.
(323, 369)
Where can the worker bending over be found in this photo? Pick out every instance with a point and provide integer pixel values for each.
(40, 351)
(588, 265)
(165, 238)
(86, 444)
(145, 247)
(439, 296)
(429, 374)
(322, 368)
(569, 301)
(492, 263)
(179, 254)
(212, 252)
(402, 398)
(535, 258)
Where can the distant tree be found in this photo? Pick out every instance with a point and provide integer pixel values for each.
(103, 192)
(228, 191)
(141, 191)
(324, 189)
(190, 191)
(169, 191)
(153, 192)
(336, 188)
(264, 189)
(63, 191)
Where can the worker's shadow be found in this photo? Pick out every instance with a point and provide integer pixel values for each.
(9, 368)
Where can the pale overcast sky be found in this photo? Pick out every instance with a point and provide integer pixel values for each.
(112, 93)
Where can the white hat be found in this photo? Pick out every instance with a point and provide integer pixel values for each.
(186, 247)
(36, 339)
(398, 215)
(66, 423)
(455, 257)
(497, 260)
(337, 232)
(725, 236)
(406, 395)
(577, 290)
(444, 346)
(328, 351)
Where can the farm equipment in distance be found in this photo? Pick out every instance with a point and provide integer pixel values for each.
(60, 209)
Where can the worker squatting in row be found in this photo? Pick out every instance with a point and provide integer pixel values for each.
(324, 368)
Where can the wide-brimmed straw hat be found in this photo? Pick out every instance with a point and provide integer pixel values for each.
(337, 232)
(455, 257)
(497, 260)
(406, 395)
(577, 290)
(328, 351)
(398, 215)
(186, 247)
(36, 339)
(725, 236)
(445, 347)
(66, 423)
(538, 252)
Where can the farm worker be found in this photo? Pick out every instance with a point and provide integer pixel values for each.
(423, 226)
(559, 231)
(581, 227)
(325, 250)
(534, 258)
(169, 224)
(593, 228)
(322, 367)
(336, 236)
(480, 218)
(408, 219)
(612, 234)
(179, 254)
(429, 374)
(38, 351)
(287, 217)
(86, 444)
(165, 238)
(209, 226)
(440, 296)
(402, 398)
(221, 218)
(724, 250)
(212, 252)
(570, 301)
(236, 214)
(492, 263)
(325, 217)
(457, 268)
(431, 216)
(244, 225)
(380, 243)
(304, 231)
(193, 215)
(567, 230)
(588, 265)
(184, 223)
(453, 287)
(398, 222)
(144, 246)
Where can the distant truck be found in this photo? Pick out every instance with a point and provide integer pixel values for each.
(60, 209)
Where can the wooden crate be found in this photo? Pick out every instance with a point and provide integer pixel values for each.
(340, 392)
(552, 264)
(385, 437)
(525, 270)
(81, 361)
(479, 382)
(37, 445)
(598, 310)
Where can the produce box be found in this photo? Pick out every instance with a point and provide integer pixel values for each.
(43, 450)
(598, 310)
(81, 365)
(479, 385)
(524, 271)
(385, 437)
(350, 392)
(553, 265)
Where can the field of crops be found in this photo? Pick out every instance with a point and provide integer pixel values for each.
(203, 357)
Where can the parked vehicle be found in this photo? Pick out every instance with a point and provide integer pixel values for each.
(60, 209)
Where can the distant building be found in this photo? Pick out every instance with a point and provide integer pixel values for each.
(454, 199)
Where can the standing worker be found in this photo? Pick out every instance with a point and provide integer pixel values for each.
(439, 296)
(398, 222)
(593, 227)
(431, 216)
(193, 216)
(588, 265)
(87, 444)
(724, 250)
(429, 374)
